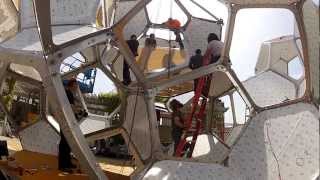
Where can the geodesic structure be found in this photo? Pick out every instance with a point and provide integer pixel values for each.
(47, 32)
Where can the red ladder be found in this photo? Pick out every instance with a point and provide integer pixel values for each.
(202, 81)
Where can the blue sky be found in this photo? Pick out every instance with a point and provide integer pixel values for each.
(253, 26)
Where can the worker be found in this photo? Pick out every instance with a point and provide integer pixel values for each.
(215, 46)
(133, 44)
(194, 63)
(175, 26)
(177, 122)
(151, 41)
(64, 158)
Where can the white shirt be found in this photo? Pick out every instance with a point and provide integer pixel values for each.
(216, 47)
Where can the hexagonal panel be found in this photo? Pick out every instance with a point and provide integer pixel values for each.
(8, 20)
(280, 67)
(197, 32)
(137, 24)
(62, 12)
(263, 59)
(122, 8)
(268, 88)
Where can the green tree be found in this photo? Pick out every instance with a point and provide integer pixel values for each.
(110, 100)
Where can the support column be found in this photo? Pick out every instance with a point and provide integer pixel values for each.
(233, 110)
(64, 115)
(209, 118)
(152, 117)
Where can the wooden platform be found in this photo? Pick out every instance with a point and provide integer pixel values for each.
(27, 165)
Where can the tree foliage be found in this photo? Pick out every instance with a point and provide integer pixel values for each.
(110, 100)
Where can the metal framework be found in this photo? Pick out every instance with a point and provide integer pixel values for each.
(48, 61)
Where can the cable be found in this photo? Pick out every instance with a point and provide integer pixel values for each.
(273, 153)
(132, 124)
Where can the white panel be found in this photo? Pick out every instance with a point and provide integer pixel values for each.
(136, 112)
(179, 170)
(269, 88)
(197, 32)
(8, 20)
(276, 53)
(263, 59)
(209, 149)
(287, 135)
(62, 12)
(300, 158)
(40, 137)
(284, 49)
(26, 71)
(311, 22)
(290, 132)
(136, 25)
(123, 7)
(281, 67)
(257, 2)
(90, 125)
(28, 39)
(220, 83)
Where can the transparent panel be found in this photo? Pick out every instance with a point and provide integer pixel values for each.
(295, 68)
(115, 148)
(218, 9)
(104, 84)
(23, 101)
(271, 48)
(160, 10)
(246, 41)
(72, 62)
(195, 10)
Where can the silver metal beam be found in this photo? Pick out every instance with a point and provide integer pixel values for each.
(153, 125)
(43, 17)
(71, 47)
(229, 32)
(23, 78)
(78, 70)
(68, 125)
(298, 13)
(234, 118)
(241, 89)
(187, 13)
(202, 71)
(204, 9)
